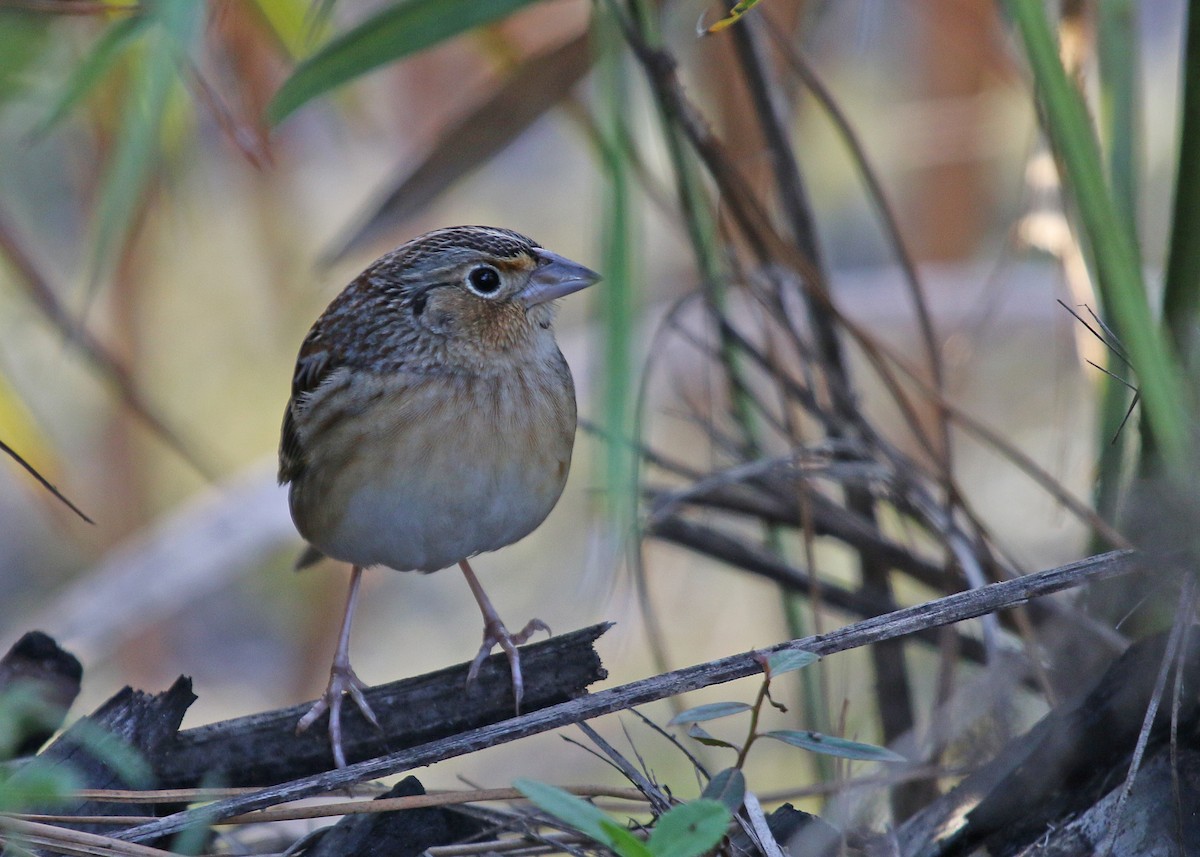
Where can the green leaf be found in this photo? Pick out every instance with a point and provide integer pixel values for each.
(831, 746)
(174, 22)
(624, 842)
(697, 732)
(23, 709)
(789, 660)
(537, 84)
(578, 813)
(396, 31)
(728, 787)
(620, 232)
(38, 784)
(689, 830)
(708, 712)
(91, 71)
(23, 36)
(1181, 292)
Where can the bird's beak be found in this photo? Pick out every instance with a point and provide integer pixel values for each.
(555, 277)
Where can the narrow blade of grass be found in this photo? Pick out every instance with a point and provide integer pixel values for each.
(104, 54)
(1181, 297)
(174, 24)
(1111, 247)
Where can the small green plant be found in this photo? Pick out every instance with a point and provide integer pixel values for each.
(23, 709)
(687, 830)
(38, 782)
(773, 665)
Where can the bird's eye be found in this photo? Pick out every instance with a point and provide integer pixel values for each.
(484, 280)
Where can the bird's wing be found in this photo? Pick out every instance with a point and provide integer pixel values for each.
(314, 365)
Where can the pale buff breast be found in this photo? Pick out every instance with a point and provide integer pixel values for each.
(436, 469)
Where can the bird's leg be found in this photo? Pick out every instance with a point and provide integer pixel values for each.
(495, 633)
(342, 680)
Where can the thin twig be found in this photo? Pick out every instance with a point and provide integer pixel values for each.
(696, 763)
(358, 807)
(658, 800)
(42, 480)
(53, 837)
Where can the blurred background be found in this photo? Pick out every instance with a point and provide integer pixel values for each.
(164, 249)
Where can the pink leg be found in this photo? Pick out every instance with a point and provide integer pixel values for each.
(494, 633)
(342, 680)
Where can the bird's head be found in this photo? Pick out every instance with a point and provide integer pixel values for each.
(479, 289)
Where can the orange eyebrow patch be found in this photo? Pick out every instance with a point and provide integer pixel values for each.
(517, 265)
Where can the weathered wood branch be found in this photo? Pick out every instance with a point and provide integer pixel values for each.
(1065, 764)
(138, 722)
(943, 611)
(262, 749)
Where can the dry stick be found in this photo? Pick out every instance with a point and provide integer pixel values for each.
(994, 439)
(891, 227)
(887, 216)
(752, 218)
(352, 807)
(59, 838)
(895, 696)
(660, 802)
(932, 614)
(756, 226)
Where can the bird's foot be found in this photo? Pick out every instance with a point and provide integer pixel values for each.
(496, 634)
(342, 681)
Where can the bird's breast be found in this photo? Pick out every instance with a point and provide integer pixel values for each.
(433, 469)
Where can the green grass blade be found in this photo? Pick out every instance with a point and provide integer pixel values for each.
(1111, 247)
(1117, 50)
(616, 297)
(392, 33)
(174, 23)
(23, 36)
(1181, 297)
(107, 50)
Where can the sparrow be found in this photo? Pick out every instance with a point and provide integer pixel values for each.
(432, 418)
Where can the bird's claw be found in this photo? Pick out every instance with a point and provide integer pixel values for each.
(342, 681)
(496, 634)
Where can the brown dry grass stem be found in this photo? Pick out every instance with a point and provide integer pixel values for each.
(322, 810)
